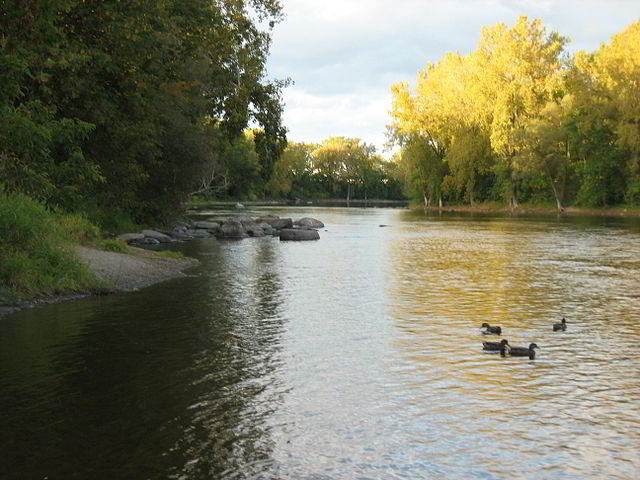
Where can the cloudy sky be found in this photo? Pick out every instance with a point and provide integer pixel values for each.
(343, 55)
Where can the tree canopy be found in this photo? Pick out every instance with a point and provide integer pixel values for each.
(519, 119)
(128, 105)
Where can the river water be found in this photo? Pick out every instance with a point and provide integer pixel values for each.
(357, 356)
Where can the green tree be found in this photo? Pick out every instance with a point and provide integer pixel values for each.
(612, 82)
(113, 100)
(342, 162)
(293, 174)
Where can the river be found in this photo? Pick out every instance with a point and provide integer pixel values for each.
(357, 356)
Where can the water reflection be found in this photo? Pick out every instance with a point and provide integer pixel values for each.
(358, 356)
(568, 403)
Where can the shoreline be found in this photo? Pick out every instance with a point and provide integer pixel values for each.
(616, 211)
(120, 273)
(526, 210)
(140, 268)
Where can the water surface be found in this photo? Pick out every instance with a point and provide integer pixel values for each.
(354, 357)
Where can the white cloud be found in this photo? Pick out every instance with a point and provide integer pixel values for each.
(319, 116)
(343, 55)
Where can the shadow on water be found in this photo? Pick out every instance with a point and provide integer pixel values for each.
(170, 381)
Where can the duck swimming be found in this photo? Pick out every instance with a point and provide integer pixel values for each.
(524, 351)
(490, 329)
(495, 346)
(562, 326)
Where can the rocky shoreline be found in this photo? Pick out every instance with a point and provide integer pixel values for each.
(235, 227)
(141, 267)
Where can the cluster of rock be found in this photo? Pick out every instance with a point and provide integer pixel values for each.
(233, 228)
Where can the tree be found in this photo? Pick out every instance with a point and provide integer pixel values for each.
(423, 171)
(342, 162)
(547, 146)
(613, 81)
(518, 69)
(293, 172)
(468, 158)
(118, 96)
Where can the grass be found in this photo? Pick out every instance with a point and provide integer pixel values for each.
(35, 255)
(112, 245)
(170, 254)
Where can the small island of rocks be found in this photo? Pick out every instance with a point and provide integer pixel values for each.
(235, 227)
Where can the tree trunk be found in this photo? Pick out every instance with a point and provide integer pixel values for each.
(348, 193)
(440, 202)
(556, 193)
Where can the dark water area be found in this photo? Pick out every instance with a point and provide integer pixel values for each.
(357, 356)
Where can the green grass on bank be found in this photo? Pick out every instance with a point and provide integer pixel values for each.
(35, 255)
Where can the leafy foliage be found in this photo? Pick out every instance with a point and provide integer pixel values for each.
(518, 119)
(110, 105)
(339, 167)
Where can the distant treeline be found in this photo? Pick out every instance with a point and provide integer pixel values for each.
(518, 119)
(129, 106)
(338, 167)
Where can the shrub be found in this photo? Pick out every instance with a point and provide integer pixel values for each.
(77, 228)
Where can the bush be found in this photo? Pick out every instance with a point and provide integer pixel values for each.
(35, 258)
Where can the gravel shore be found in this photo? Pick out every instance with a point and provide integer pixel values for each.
(121, 272)
(140, 268)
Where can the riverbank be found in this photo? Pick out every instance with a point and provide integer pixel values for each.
(327, 202)
(118, 272)
(534, 210)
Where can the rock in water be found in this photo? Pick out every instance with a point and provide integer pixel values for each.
(309, 222)
(299, 234)
(277, 223)
(232, 229)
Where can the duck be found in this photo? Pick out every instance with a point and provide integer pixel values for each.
(490, 329)
(562, 326)
(524, 351)
(495, 346)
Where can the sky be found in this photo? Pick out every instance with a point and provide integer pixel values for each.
(343, 55)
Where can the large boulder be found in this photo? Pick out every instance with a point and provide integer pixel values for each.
(212, 227)
(267, 229)
(299, 234)
(131, 237)
(197, 233)
(161, 237)
(180, 233)
(244, 219)
(232, 229)
(253, 229)
(308, 222)
(145, 241)
(275, 222)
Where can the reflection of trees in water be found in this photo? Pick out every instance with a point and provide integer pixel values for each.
(238, 391)
(180, 377)
(448, 276)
